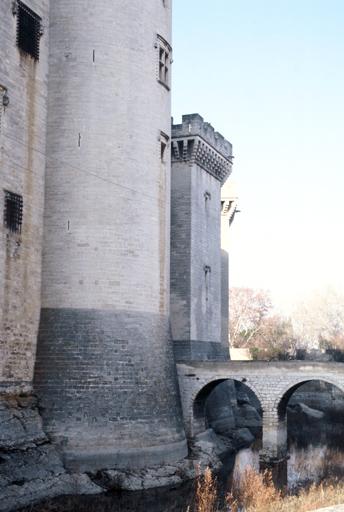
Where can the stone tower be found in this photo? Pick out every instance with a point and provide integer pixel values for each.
(201, 162)
(105, 369)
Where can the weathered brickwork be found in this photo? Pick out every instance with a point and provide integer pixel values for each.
(105, 371)
(273, 383)
(99, 389)
(201, 161)
(22, 167)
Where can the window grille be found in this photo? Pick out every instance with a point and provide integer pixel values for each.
(13, 212)
(165, 52)
(28, 30)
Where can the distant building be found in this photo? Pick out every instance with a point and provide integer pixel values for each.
(229, 204)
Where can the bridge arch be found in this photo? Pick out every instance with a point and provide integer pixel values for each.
(200, 397)
(272, 383)
(281, 402)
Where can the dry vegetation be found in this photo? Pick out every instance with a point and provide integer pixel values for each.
(206, 493)
(256, 493)
(325, 464)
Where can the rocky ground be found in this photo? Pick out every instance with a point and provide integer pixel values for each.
(31, 468)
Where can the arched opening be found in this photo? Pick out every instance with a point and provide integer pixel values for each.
(199, 405)
(283, 404)
(314, 412)
(231, 409)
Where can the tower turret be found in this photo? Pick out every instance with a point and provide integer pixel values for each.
(105, 370)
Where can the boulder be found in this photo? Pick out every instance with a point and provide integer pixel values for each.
(243, 438)
(303, 412)
(219, 408)
(246, 416)
(21, 424)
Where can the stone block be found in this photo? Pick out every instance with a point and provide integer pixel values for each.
(20, 424)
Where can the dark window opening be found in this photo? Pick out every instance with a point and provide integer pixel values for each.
(13, 212)
(28, 30)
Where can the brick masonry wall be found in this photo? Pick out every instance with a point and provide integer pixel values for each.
(103, 399)
(205, 314)
(180, 251)
(22, 168)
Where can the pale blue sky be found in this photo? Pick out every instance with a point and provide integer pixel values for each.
(269, 75)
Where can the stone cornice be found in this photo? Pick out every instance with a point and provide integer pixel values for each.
(195, 150)
(196, 142)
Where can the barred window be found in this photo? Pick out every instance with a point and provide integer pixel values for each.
(13, 211)
(165, 52)
(28, 30)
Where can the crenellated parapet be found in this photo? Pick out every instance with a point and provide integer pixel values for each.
(196, 142)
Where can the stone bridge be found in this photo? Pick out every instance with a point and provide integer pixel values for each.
(272, 382)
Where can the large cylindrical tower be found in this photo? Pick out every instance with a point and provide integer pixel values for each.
(105, 371)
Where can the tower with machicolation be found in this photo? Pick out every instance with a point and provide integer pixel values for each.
(201, 163)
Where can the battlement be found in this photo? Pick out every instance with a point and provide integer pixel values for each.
(194, 125)
(196, 142)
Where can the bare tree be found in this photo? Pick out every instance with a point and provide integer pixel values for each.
(247, 310)
(254, 325)
(275, 339)
(319, 320)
